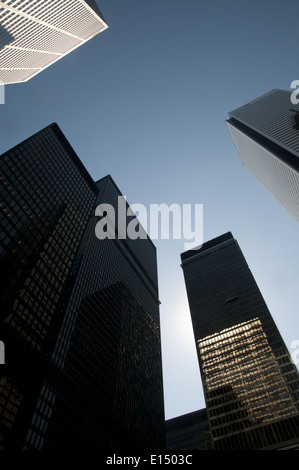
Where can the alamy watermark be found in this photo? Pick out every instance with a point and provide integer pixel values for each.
(2, 353)
(160, 222)
(294, 99)
(295, 352)
(2, 93)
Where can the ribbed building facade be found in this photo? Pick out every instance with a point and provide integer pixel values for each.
(36, 33)
(250, 384)
(79, 315)
(266, 134)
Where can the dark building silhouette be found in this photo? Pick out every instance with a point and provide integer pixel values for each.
(79, 315)
(188, 432)
(250, 384)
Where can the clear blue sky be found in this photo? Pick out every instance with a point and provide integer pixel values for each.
(146, 101)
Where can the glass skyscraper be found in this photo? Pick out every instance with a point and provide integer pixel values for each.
(250, 384)
(266, 134)
(36, 33)
(79, 315)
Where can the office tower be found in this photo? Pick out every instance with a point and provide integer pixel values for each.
(37, 33)
(251, 387)
(79, 314)
(188, 432)
(266, 134)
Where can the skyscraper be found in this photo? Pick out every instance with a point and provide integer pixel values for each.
(79, 315)
(188, 432)
(266, 134)
(37, 33)
(251, 387)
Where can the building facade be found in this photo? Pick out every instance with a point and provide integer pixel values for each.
(250, 384)
(80, 317)
(37, 33)
(188, 432)
(266, 134)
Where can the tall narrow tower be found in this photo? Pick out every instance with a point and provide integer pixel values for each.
(251, 387)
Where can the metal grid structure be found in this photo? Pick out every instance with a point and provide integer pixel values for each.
(36, 33)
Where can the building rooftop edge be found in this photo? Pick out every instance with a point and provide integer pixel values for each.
(93, 4)
(206, 246)
(274, 90)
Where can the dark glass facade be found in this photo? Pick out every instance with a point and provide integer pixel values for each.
(188, 432)
(79, 315)
(250, 384)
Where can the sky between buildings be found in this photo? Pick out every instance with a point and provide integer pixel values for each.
(146, 101)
